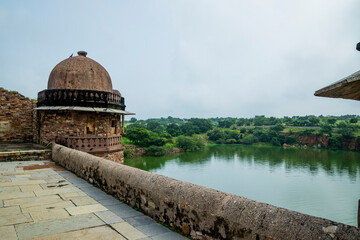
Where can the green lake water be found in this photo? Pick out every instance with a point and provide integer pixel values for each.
(317, 182)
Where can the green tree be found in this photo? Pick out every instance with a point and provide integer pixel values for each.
(137, 134)
(189, 143)
(250, 139)
(154, 127)
(277, 128)
(173, 129)
(353, 120)
(326, 129)
(133, 120)
(347, 131)
(155, 151)
(226, 123)
(331, 120)
(215, 134)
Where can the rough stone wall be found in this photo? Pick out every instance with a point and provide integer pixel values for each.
(73, 123)
(30, 155)
(200, 212)
(117, 156)
(16, 117)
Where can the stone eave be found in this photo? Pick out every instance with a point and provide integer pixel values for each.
(347, 88)
(84, 109)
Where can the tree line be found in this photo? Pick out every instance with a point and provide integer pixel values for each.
(159, 135)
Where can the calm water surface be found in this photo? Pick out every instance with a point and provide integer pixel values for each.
(316, 182)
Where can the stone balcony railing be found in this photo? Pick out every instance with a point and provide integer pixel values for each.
(84, 98)
(92, 144)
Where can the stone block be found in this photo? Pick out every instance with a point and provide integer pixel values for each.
(15, 195)
(86, 209)
(81, 201)
(21, 183)
(153, 229)
(124, 211)
(55, 205)
(25, 231)
(48, 214)
(8, 233)
(128, 231)
(169, 235)
(102, 232)
(56, 191)
(32, 201)
(140, 221)
(69, 196)
(109, 217)
(31, 188)
(12, 219)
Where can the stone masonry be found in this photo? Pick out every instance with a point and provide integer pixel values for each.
(16, 117)
(73, 123)
(201, 212)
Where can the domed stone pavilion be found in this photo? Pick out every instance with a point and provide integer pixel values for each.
(80, 109)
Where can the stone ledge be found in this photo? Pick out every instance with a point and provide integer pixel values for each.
(25, 155)
(198, 211)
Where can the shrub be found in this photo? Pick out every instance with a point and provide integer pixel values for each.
(155, 151)
(231, 141)
(307, 132)
(275, 141)
(215, 134)
(189, 143)
(335, 142)
(290, 140)
(277, 128)
(250, 139)
(325, 129)
(128, 152)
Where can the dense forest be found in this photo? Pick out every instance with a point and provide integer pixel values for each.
(161, 134)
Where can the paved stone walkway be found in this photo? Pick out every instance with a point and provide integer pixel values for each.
(39, 200)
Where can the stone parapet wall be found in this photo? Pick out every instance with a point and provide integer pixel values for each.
(16, 117)
(200, 212)
(25, 155)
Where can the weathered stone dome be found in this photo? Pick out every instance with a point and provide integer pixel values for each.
(80, 72)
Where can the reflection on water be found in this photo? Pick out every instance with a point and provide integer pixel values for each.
(317, 182)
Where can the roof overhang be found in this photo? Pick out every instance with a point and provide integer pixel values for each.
(348, 88)
(84, 109)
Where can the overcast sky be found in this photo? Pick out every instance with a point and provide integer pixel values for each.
(191, 58)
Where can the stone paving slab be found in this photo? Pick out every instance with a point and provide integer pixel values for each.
(45, 204)
(15, 219)
(30, 188)
(153, 229)
(25, 231)
(140, 221)
(103, 233)
(33, 201)
(169, 235)
(128, 231)
(124, 211)
(21, 183)
(48, 214)
(109, 217)
(84, 200)
(54, 205)
(14, 195)
(8, 233)
(85, 209)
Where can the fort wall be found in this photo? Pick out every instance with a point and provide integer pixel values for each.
(16, 117)
(200, 212)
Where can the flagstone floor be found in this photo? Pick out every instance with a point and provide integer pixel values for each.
(39, 200)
